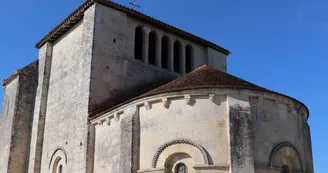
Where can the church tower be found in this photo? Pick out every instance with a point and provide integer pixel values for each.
(114, 90)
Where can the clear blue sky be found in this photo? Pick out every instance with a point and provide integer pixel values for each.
(281, 44)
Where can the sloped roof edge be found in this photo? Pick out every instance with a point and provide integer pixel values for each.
(78, 14)
(182, 84)
(16, 73)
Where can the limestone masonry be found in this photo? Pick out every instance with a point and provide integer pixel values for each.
(116, 91)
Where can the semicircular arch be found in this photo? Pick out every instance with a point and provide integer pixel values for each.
(58, 159)
(289, 152)
(196, 151)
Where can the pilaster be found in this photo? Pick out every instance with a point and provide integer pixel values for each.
(129, 147)
(241, 148)
(45, 57)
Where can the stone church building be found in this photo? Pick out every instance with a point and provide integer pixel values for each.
(116, 91)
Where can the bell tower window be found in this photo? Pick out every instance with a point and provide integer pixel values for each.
(138, 41)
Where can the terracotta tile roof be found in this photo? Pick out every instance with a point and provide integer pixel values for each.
(10, 78)
(78, 14)
(203, 77)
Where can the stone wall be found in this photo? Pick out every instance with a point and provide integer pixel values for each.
(6, 122)
(275, 130)
(16, 120)
(241, 137)
(107, 147)
(279, 121)
(198, 127)
(217, 59)
(116, 75)
(22, 122)
(222, 123)
(39, 112)
(66, 123)
(202, 120)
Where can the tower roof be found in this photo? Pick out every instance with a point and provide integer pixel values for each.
(201, 78)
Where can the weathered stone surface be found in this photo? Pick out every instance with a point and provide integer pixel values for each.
(44, 126)
(39, 114)
(16, 120)
(241, 139)
(6, 122)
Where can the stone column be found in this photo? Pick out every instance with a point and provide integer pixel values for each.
(183, 58)
(171, 54)
(145, 44)
(159, 50)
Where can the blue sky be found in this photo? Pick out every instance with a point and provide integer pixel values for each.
(280, 45)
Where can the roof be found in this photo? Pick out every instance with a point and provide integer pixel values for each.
(10, 78)
(201, 78)
(16, 73)
(78, 14)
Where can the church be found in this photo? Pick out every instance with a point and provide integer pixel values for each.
(116, 91)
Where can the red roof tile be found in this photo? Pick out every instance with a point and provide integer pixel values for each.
(10, 78)
(78, 14)
(203, 77)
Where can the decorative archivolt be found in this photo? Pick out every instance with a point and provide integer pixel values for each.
(176, 142)
(278, 148)
(58, 158)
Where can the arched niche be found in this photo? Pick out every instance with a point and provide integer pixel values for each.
(58, 161)
(173, 147)
(286, 154)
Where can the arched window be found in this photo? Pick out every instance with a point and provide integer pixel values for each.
(57, 168)
(138, 41)
(189, 58)
(58, 161)
(165, 52)
(177, 55)
(285, 169)
(152, 48)
(181, 168)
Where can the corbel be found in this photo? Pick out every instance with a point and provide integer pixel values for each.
(116, 117)
(289, 108)
(165, 102)
(147, 105)
(187, 99)
(212, 97)
(108, 121)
